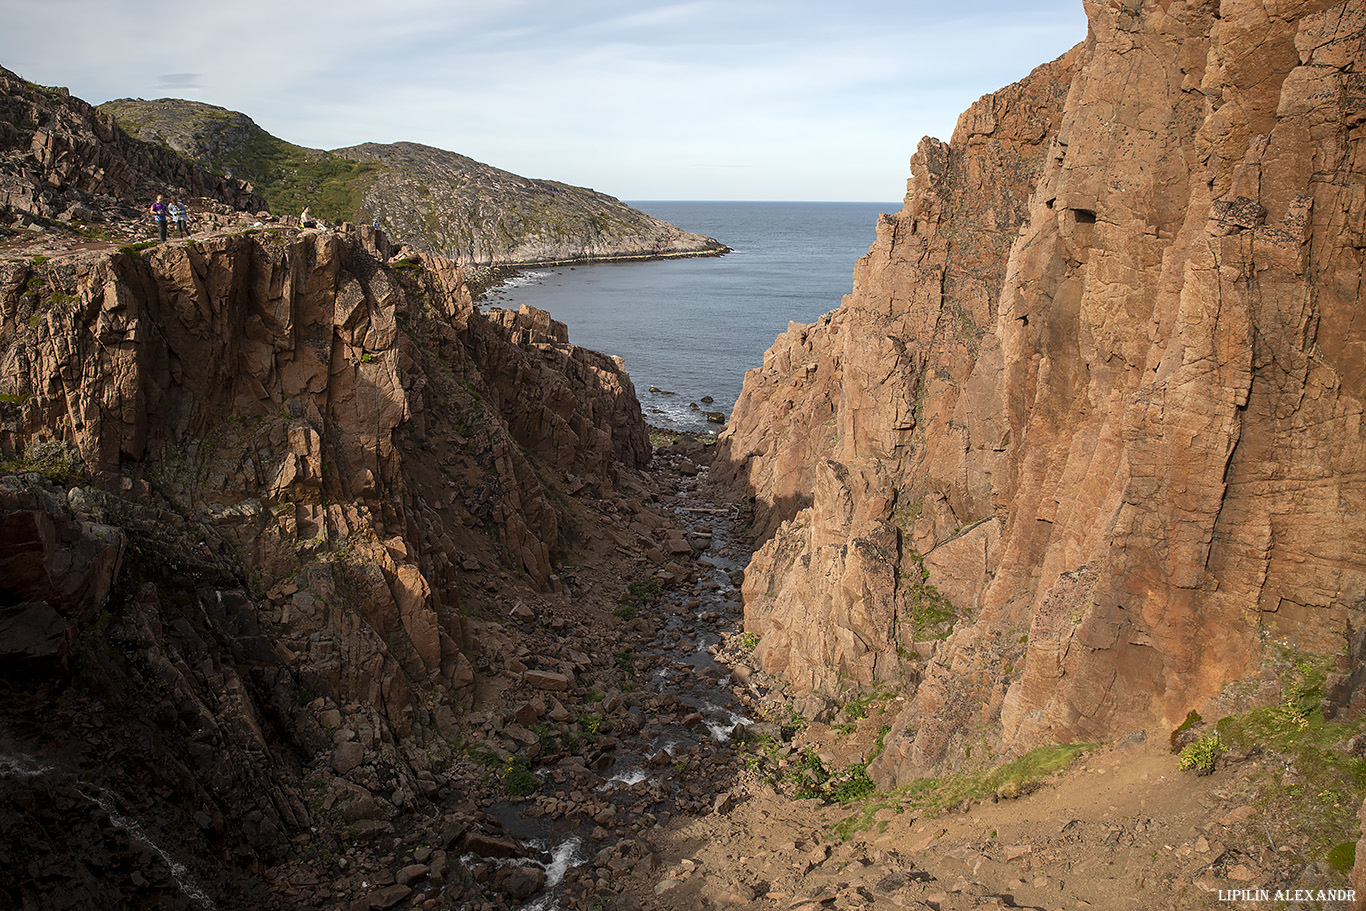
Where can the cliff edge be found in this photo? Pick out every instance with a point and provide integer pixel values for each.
(1086, 436)
(265, 504)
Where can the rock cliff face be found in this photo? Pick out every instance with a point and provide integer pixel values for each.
(285, 459)
(59, 156)
(1087, 433)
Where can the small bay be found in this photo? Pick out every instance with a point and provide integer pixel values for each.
(692, 327)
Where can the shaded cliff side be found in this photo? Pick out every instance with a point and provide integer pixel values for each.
(1086, 435)
(254, 487)
(436, 201)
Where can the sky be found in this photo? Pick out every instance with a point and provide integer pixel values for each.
(696, 100)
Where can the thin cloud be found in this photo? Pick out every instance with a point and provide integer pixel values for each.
(178, 81)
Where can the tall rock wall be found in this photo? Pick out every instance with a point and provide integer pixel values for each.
(245, 484)
(1093, 408)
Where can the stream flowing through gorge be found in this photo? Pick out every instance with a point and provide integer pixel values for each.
(639, 773)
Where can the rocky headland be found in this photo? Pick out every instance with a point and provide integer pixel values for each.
(436, 201)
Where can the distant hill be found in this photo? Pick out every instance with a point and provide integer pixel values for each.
(226, 142)
(432, 199)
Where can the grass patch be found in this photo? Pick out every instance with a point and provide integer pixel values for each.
(1343, 857)
(931, 614)
(936, 795)
(1310, 788)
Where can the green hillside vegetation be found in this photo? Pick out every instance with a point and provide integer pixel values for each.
(225, 142)
(441, 202)
(291, 177)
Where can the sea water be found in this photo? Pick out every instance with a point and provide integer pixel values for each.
(691, 327)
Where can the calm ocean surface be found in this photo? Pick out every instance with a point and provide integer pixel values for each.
(692, 327)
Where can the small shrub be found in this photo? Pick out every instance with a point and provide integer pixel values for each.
(517, 780)
(1201, 756)
(644, 590)
(750, 641)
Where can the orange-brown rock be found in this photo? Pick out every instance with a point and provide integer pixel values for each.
(285, 394)
(1101, 379)
(254, 490)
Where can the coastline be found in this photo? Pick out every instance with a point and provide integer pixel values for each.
(483, 277)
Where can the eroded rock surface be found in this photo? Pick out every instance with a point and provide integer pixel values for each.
(254, 487)
(1095, 400)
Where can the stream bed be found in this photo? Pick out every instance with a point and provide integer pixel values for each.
(595, 811)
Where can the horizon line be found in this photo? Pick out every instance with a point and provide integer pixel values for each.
(871, 202)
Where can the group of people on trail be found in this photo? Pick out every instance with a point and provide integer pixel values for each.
(175, 212)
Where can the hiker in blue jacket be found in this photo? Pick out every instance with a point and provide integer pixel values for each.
(181, 217)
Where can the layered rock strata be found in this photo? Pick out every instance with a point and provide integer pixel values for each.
(1094, 403)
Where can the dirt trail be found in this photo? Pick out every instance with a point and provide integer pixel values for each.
(1123, 828)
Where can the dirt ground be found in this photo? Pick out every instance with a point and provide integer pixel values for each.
(1123, 828)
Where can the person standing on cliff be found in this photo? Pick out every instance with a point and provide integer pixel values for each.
(159, 213)
(181, 217)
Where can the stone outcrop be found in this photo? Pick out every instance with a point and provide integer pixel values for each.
(246, 481)
(1093, 408)
(61, 157)
(58, 571)
(262, 387)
